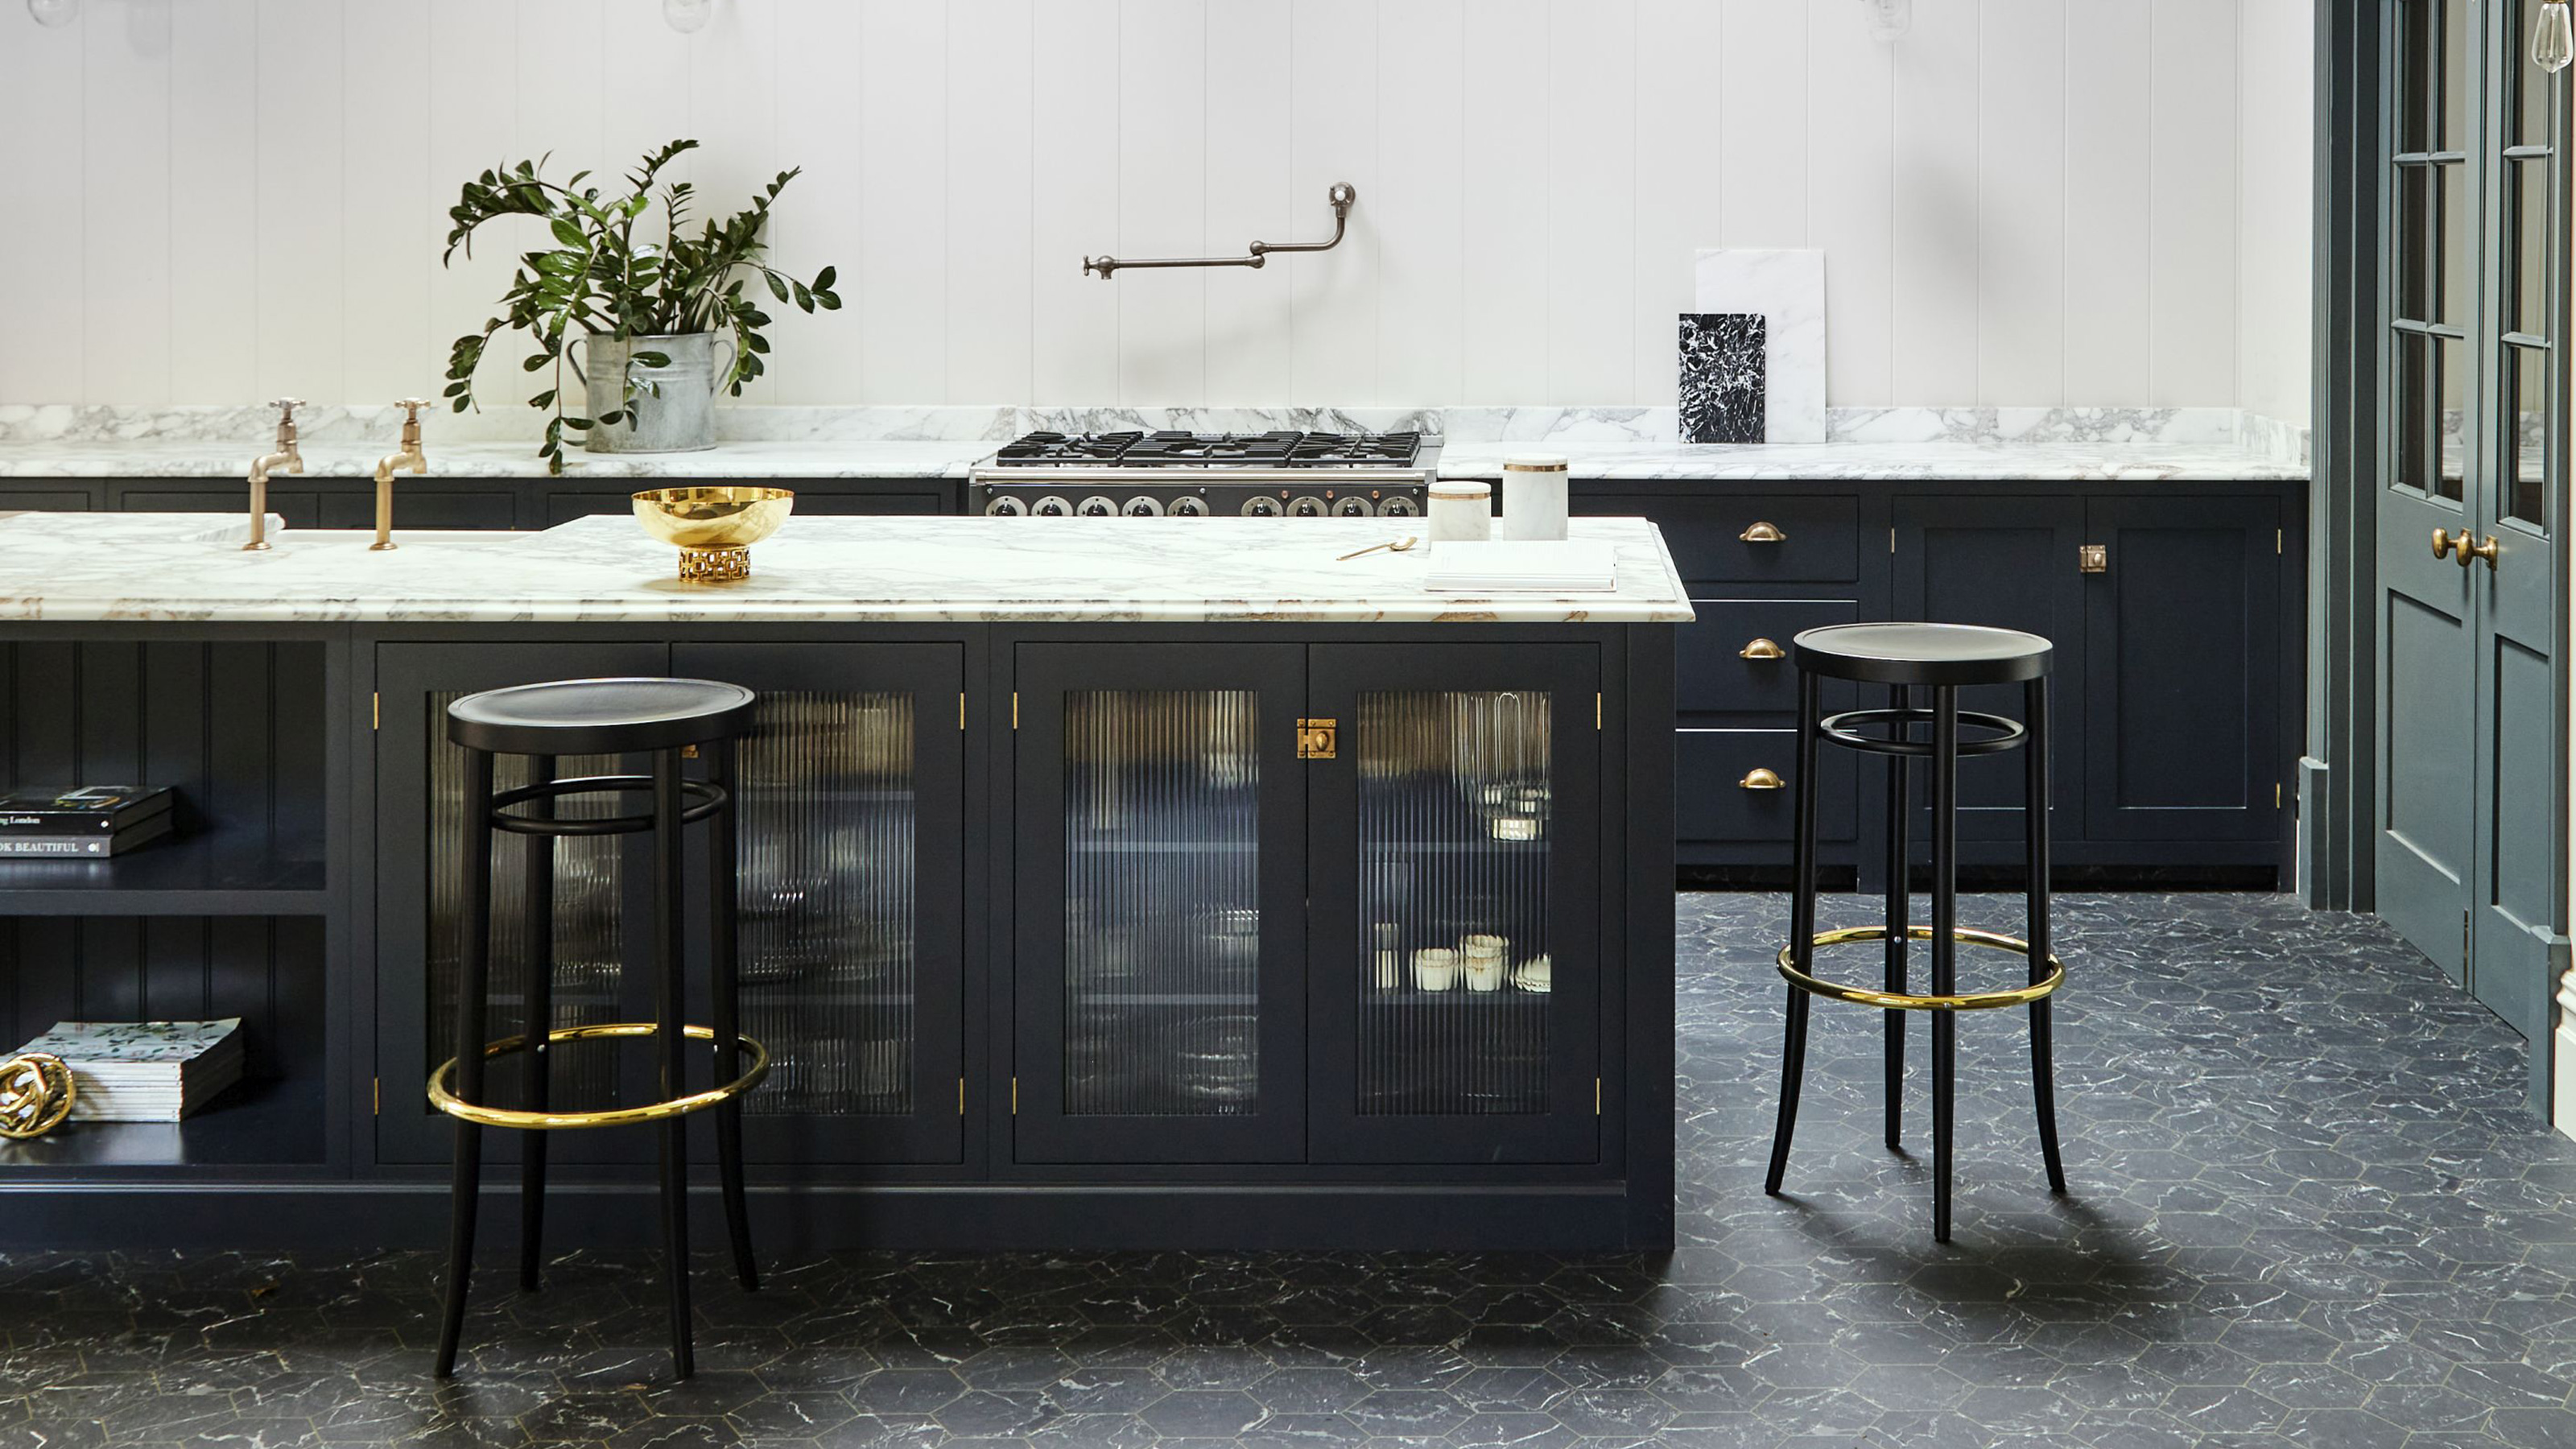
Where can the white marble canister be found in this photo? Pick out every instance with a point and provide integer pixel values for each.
(1533, 496)
(1461, 511)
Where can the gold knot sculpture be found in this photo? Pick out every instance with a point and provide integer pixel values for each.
(36, 1094)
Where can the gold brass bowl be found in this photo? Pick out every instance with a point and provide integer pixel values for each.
(714, 528)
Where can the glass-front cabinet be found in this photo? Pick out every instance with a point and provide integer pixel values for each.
(1307, 903)
(851, 820)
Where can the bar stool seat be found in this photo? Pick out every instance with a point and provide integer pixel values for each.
(662, 718)
(1942, 658)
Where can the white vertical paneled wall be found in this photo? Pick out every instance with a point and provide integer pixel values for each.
(2023, 202)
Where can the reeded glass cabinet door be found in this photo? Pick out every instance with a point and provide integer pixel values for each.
(1456, 964)
(849, 896)
(1160, 904)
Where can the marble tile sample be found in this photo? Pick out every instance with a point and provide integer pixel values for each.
(1722, 377)
(1787, 288)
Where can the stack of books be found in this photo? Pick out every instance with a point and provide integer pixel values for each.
(144, 1071)
(82, 820)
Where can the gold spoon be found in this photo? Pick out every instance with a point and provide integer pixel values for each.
(1395, 546)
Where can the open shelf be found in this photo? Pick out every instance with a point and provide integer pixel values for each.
(211, 874)
(275, 1123)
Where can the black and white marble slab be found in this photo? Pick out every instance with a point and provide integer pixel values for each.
(2137, 444)
(104, 566)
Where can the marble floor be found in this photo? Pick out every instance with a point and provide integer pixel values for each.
(2308, 1209)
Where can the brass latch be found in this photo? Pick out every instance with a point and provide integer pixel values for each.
(1317, 738)
(2093, 558)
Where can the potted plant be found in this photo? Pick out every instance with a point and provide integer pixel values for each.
(652, 313)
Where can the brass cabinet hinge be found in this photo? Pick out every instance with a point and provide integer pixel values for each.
(376, 709)
(1318, 738)
(2093, 558)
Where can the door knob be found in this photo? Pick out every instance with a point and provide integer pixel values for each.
(1763, 533)
(2443, 543)
(2470, 551)
(1761, 649)
(1761, 779)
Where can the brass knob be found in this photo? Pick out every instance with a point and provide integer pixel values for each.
(1763, 533)
(2469, 551)
(1761, 649)
(2443, 543)
(1761, 779)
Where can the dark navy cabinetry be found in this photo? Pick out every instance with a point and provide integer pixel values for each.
(2174, 609)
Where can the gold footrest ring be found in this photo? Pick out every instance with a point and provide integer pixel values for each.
(444, 1097)
(1901, 1001)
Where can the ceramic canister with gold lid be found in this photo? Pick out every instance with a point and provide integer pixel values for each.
(1534, 497)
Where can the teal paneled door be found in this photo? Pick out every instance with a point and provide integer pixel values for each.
(2471, 461)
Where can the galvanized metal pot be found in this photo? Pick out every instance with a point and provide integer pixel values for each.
(674, 410)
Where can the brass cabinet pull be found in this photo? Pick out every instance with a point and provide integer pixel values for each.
(2463, 548)
(1764, 533)
(2093, 558)
(1761, 779)
(1761, 649)
(2486, 550)
(2443, 543)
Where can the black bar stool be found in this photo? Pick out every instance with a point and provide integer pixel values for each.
(663, 717)
(1940, 658)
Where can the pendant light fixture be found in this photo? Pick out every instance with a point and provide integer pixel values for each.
(54, 14)
(1889, 19)
(687, 16)
(2553, 40)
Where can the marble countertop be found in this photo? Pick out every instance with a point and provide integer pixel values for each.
(143, 567)
(1942, 461)
(165, 458)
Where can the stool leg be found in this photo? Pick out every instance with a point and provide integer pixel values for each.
(1802, 931)
(671, 1017)
(2043, 1071)
(538, 1058)
(1899, 826)
(726, 1020)
(473, 954)
(1945, 945)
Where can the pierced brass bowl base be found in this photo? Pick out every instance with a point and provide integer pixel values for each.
(1903, 1001)
(36, 1094)
(709, 564)
(442, 1094)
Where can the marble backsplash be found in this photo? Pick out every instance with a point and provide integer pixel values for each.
(1988, 426)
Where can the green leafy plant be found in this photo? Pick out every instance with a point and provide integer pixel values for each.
(601, 278)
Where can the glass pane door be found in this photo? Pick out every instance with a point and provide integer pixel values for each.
(1162, 904)
(851, 849)
(1456, 974)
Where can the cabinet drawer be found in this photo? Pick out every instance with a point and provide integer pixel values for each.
(1713, 678)
(1819, 534)
(1711, 805)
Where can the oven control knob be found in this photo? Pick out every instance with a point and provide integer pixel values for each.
(1189, 505)
(1306, 506)
(1353, 507)
(1143, 505)
(1005, 506)
(1053, 506)
(1098, 505)
(1399, 506)
(1261, 505)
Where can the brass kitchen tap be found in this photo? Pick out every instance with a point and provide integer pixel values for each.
(410, 458)
(288, 458)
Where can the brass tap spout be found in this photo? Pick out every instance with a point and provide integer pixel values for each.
(410, 458)
(287, 459)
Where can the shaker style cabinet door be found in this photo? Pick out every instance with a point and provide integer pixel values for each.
(421, 812)
(1455, 971)
(1159, 937)
(851, 814)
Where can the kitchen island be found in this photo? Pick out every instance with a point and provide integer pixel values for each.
(1096, 877)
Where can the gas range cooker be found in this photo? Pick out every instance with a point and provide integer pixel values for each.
(1283, 474)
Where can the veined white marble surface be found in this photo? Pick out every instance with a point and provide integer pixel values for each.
(2143, 444)
(145, 567)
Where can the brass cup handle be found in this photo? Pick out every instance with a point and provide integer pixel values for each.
(1762, 779)
(1761, 649)
(1763, 533)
